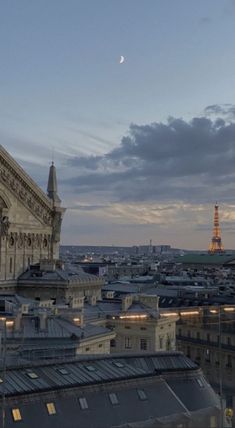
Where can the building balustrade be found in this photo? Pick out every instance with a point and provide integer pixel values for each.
(204, 342)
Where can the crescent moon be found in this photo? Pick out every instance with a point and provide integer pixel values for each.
(122, 59)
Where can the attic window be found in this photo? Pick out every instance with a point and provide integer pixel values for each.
(16, 415)
(63, 371)
(32, 375)
(141, 394)
(113, 398)
(83, 403)
(91, 368)
(200, 383)
(51, 408)
(119, 365)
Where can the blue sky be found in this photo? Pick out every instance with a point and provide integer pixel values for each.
(62, 89)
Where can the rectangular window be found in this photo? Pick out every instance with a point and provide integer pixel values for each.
(208, 355)
(160, 342)
(11, 264)
(91, 368)
(143, 328)
(119, 365)
(112, 343)
(16, 415)
(208, 337)
(229, 341)
(113, 398)
(141, 394)
(32, 375)
(127, 327)
(51, 408)
(83, 403)
(198, 335)
(229, 361)
(63, 371)
(200, 383)
(143, 344)
(213, 422)
(128, 343)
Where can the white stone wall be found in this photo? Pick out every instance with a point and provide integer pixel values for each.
(149, 335)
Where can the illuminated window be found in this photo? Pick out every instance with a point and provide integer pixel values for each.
(1, 381)
(83, 403)
(213, 422)
(141, 394)
(51, 409)
(16, 415)
(113, 398)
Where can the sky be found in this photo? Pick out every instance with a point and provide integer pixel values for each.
(143, 149)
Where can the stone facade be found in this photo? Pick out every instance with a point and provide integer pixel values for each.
(212, 347)
(29, 222)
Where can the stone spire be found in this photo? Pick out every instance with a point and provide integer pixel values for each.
(52, 185)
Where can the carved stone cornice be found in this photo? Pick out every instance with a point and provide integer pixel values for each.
(24, 188)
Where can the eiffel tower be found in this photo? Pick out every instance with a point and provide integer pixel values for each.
(216, 243)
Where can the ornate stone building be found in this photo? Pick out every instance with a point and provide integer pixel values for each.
(30, 221)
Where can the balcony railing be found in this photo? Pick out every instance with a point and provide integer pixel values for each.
(206, 343)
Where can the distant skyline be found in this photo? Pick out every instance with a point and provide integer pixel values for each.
(143, 149)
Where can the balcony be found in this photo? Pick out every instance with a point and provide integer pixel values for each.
(206, 343)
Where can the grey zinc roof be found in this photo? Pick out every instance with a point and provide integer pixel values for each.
(57, 328)
(103, 369)
(93, 379)
(69, 274)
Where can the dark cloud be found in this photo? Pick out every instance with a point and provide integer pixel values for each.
(176, 160)
(227, 110)
(87, 162)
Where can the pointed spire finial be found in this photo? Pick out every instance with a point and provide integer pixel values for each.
(52, 185)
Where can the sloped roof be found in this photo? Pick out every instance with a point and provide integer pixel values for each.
(207, 259)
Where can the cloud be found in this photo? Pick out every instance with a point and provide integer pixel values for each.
(174, 161)
(227, 110)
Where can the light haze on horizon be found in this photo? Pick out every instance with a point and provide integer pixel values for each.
(123, 179)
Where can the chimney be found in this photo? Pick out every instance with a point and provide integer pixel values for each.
(149, 300)
(126, 302)
(77, 302)
(92, 300)
(18, 321)
(42, 320)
